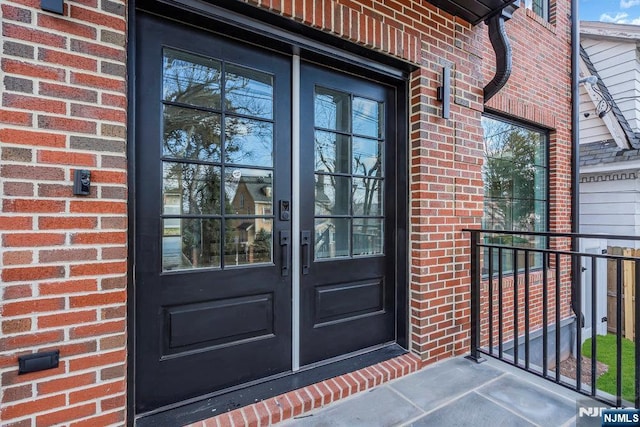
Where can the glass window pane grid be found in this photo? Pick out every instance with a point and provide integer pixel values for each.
(508, 165)
(223, 112)
(350, 133)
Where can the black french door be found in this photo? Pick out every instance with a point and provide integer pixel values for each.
(213, 294)
(347, 214)
(214, 217)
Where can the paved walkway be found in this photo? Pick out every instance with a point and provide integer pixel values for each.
(455, 392)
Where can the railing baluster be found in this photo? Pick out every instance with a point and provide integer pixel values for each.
(558, 317)
(526, 309)
(490, 277)
(577, 261)
(500, 312)
(545, 315)
(515, 306)
(619, 333)
(475, 298)
(594, 315)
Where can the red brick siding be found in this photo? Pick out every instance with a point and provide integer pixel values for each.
(63, 257)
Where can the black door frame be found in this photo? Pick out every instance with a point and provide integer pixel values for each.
(253, 25)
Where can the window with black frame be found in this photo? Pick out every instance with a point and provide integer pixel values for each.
(516, 196)
(539, 7)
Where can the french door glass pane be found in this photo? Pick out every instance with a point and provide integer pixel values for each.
(367, 157)
(248, 191)
(191, 189)
(332, 110)
(367, 117)
(191, 79)
(190, 243)
(332, 195)
(248, 241)
(248, 92)
(191, 134)
(331, 152)
(332, 237)
(367, 236)
(248, 142)
(367, 197)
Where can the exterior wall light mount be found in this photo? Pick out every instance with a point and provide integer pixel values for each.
(444, 91)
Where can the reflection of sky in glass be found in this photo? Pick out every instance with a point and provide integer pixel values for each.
(248, 92)
(331, 110)
(191, 79)
(366, 154)
(249, 142)
(366, 117)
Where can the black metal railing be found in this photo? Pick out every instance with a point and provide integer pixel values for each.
(530, 307)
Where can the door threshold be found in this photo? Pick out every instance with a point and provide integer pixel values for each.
(230, 399)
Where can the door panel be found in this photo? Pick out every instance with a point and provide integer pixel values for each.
(212, 160)
(347, 174)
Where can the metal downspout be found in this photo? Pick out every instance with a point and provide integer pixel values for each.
(502, 49)
(575, 158)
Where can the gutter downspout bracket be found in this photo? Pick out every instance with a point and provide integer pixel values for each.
(502, 49)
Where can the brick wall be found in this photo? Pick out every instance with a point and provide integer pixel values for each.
(63, 257)
(63, 107)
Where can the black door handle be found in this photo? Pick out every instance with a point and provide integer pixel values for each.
(305, 242)
(284, 248)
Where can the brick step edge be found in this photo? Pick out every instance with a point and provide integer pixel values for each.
(297, 402)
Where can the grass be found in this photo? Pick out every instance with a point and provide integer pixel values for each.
(606, 353)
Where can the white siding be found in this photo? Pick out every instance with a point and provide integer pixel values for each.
(617, 64)
(611, 207)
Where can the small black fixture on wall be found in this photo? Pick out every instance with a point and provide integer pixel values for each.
(81, 182)
(53, 6)
(444, 92)
(38, 361)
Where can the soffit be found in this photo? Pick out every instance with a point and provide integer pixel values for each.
(473, 11)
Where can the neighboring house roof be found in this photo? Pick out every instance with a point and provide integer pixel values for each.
(259, 188)
(632, 138)
(606, 152)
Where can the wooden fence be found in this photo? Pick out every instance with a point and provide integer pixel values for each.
(628, 293)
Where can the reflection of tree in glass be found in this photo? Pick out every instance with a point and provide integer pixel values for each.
(262, 246)
(191, 79)
(509, 174)
(191, 134)
(248, 92)
(371, 186)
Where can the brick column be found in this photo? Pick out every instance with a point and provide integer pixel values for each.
(64, 257)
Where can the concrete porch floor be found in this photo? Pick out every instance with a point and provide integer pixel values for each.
(454, 392)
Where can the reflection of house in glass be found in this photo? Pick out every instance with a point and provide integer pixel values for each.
(251, 241)
(172, 256)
